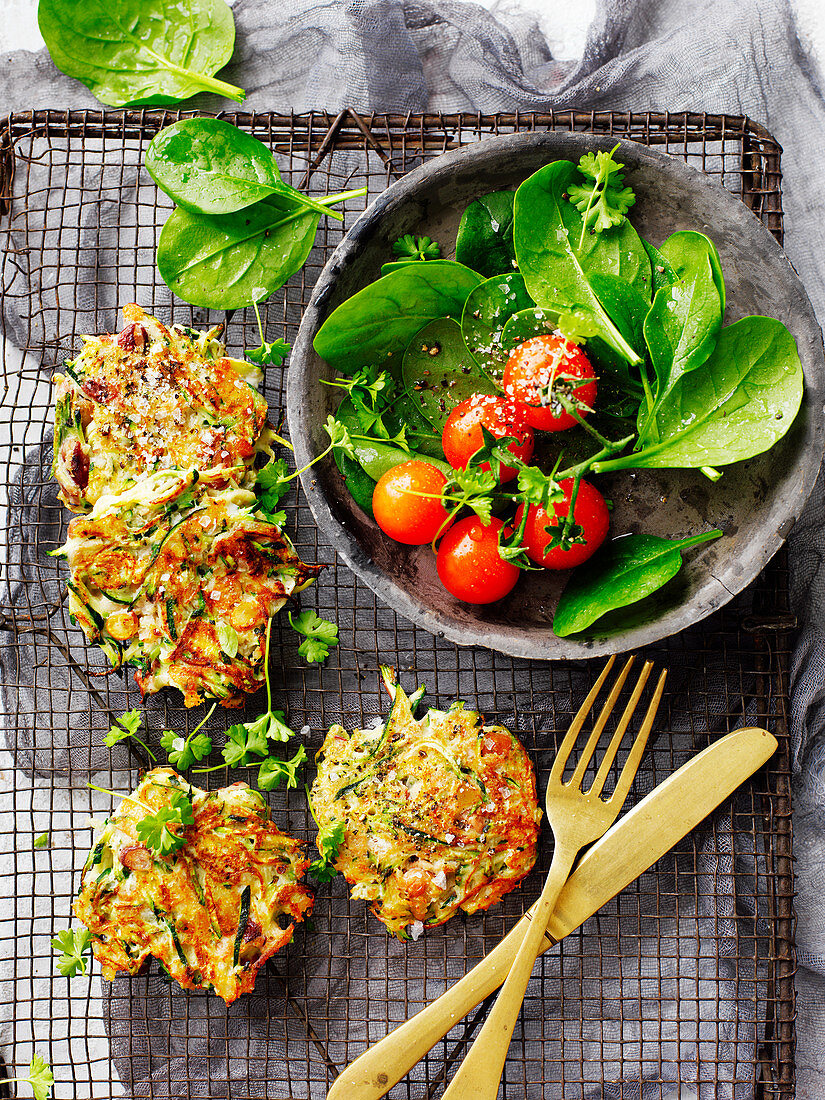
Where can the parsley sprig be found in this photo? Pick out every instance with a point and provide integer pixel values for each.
(330, 839)
(602, 200)
(74, 944)
(182, 752)
(321, 635)
(40, 1078)
(274, 481)
(248, 743)
(274, 353)
(154, 829)
(162, 831)
(127, 726)
(409, 247)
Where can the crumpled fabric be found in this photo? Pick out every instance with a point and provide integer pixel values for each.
(391, 55)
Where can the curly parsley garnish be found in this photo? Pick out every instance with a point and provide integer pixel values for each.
(603, 200)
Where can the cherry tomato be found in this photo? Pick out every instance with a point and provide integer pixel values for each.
(469, 563)
(543, 366)
(501, 416)
(590, 513)
(398, 509)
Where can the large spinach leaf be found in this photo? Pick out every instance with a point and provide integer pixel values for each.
(681, 328)
(625, 571)
(210, 167)
(439, 372)
(736, 405)
(141, 51)
(487, 310)
(485, 235)
(547, 232)
(230, 261)
(382, 318)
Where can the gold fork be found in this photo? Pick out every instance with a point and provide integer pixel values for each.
(577, 818)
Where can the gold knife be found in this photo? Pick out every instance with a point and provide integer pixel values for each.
(624, 853)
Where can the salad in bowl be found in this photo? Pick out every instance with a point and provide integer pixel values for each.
(543, 404)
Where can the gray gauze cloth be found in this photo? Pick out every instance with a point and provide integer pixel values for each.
(395, 56)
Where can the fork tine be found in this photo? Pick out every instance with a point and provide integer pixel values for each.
(631, 765)
(616, 740)
(598, 727)
(569, 741)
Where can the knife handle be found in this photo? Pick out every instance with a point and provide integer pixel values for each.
(384, 1064)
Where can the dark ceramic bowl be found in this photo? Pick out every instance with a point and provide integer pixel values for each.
(756, 502)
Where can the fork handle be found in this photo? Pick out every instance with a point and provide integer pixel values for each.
(383, 1064)
(479, 1074)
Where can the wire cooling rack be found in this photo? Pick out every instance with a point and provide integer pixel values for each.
(688, 976)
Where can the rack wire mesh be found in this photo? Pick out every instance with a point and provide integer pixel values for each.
(79, 212)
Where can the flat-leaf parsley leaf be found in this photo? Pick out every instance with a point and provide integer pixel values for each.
(321, 635)
(73, 943)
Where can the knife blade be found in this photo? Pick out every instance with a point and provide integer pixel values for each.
(625, 852)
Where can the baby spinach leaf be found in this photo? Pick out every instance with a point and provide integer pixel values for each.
(382, 318)
(141, 51)
(485, 235)
(625, 306)
(734, 406)
(625, 571)
(360, 485)
(681, 328)
(487, 309)
(230, 261)
(527, 323)
(210, 167)
(680, 251)
(556, 271)
(662, 274)
(439, 372)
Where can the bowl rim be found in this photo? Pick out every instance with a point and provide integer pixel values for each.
(344, 542)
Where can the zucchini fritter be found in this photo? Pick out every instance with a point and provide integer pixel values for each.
(154, 398)
(440, 813)
(180, 580)
(212, 912)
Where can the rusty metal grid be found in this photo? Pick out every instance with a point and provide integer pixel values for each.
(322, 999)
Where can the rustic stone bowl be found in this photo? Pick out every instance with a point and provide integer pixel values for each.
(755, 503)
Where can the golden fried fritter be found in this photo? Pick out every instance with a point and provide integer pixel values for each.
(179, 580)
(154, 398)
(440, 813)
(213, 911)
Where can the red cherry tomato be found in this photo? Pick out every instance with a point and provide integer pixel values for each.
(543, 366)
(501, 416)
(469, 563)
(590, 513)
(401, 512)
